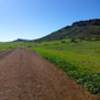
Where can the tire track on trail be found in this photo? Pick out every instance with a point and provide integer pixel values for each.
(27, 76)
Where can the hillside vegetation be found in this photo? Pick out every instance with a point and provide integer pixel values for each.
(83, 30)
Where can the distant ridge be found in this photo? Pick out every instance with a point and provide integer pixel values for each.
(88, 30)
(22, 40)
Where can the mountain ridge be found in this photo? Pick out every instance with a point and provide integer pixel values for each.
(83, 30)
(87, 30)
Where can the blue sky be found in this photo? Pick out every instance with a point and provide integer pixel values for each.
(32, 19)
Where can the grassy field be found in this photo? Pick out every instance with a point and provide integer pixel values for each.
(81, 61)
(6, 46)
(12, 45)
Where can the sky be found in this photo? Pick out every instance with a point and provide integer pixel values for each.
(32, 19)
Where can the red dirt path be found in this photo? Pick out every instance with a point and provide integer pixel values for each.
(27, 76)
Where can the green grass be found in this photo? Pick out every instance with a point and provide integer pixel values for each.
(6, 46)
(81, 61)
(13, 45)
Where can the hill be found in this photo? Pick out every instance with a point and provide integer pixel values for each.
(22, 40)
(88, 30)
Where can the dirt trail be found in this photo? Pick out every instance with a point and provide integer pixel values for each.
(27, 76)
